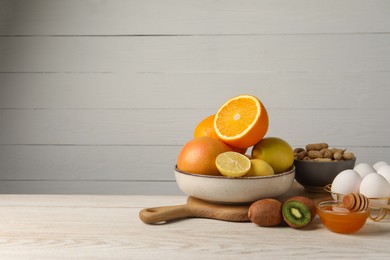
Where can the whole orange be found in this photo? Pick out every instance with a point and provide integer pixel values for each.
(206, 128)
(199, 154)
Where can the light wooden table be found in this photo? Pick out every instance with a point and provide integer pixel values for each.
(108, 227)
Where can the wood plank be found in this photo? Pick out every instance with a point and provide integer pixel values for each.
(175, 127)
(113, 163)
(278, 90)
(140, 17)
(106, 187)
(98, 163)
(90, 201)
(219, 54)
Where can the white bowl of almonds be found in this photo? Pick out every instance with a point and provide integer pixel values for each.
(317, 165)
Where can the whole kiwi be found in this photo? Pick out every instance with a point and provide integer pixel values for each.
(266, 212)
(308, 202)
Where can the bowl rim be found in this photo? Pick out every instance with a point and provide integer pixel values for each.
(328, 188)
(320, 207)
(291, 170)
(335, 162)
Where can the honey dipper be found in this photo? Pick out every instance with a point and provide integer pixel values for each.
(355, 201)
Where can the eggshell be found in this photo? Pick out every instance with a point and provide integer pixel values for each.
(345, 182)
(385, 172)
(379, 164)
(364, 169)
(375, 185)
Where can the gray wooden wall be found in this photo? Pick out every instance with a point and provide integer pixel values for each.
(97, 97)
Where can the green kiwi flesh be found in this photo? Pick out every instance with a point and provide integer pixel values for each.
(308, 202)
(296, 214)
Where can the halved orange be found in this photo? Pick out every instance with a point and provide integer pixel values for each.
(242, 121)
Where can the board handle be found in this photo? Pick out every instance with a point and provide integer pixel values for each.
(162, 214)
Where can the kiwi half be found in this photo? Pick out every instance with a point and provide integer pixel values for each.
(296, 214)
(308, 202)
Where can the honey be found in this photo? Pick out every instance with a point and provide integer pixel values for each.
(344, 222)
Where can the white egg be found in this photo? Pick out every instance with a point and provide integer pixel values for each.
(379, 164)
(364, 169)
(385, 172)
(375, 185)
(345, 182)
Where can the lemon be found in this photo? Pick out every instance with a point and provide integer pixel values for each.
(276, 152)
(260, 168)
(232, 164)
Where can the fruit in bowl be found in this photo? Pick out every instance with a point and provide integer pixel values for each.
(276, 152)
(242, 121)
(240, 180)
(199, 154)
(213, 165)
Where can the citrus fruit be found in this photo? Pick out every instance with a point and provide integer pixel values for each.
(198, 155)
(239, 150)
(232, 164)
(260, 168)
(206, 128)
(242, 121)
(276, 152)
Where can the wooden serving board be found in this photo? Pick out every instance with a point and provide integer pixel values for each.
(202, 209)
(195, 208)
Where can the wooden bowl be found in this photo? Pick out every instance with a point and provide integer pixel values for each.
(220, 189)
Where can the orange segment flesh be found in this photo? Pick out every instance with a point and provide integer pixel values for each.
(240, 113)
(242, 121)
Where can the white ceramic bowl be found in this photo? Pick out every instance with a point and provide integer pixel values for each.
(220, 189)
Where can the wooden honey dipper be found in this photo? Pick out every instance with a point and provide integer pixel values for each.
(355, 201)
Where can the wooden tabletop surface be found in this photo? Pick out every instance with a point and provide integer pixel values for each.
(108, 227)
